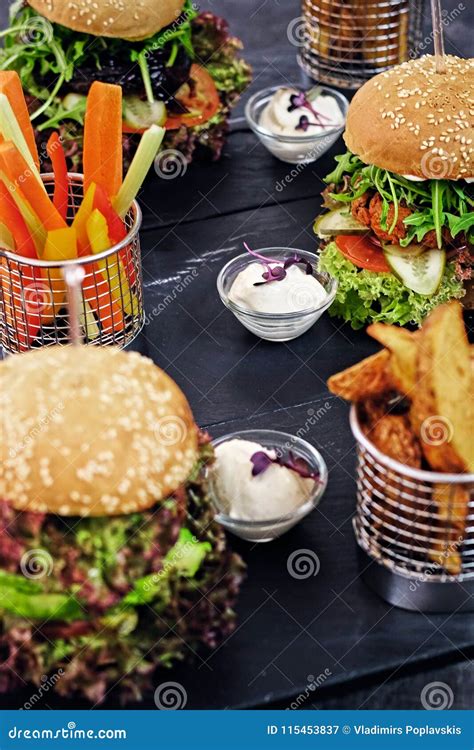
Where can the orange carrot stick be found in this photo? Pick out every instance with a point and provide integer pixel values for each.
(17, 170)
(103, 137)
(55, 151)
(10, 85)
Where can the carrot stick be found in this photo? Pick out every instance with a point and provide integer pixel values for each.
(103, 137)
(17, 170)
(10, 85)
(55, 151)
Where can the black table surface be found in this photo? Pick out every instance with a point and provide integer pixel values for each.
(371, 654)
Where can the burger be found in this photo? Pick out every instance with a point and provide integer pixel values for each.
(177, 68)
(399, 233)
(111, 563)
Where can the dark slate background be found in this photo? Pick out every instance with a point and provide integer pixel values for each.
(376, 656)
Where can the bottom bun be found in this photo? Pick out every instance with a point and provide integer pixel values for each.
(365, 297)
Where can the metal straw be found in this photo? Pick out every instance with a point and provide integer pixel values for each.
(438, 36)
(74, 276)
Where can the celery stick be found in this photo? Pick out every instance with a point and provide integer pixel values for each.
(150, 142)
(11, 131)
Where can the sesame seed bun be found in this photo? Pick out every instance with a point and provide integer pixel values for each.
(413, 121)
(124, 19)
(91, 431)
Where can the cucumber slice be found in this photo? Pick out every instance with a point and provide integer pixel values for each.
(409, 251)
(71, 101)
(140, 115)
(339, 221)
(420, 273)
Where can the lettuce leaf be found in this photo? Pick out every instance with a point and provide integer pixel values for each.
(26, 598)
(184, 559)
(366, 297)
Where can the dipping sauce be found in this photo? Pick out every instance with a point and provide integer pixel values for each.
(296, 292)
(298, 114)
(275, 492)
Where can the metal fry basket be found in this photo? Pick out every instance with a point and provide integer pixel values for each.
(33, 309)
(346, 42)
(415, 531)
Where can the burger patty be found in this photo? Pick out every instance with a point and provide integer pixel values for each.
(368, 210)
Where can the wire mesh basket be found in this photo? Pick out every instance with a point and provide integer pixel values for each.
(418, 528)
(33, 293)
(346, 42)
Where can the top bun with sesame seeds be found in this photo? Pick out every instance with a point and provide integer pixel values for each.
(414, 121)
(89, 431)
(124, 19)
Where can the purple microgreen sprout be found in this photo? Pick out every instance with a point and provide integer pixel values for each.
(261, 461)
(300, 100)
(278, 273)
(297, 259)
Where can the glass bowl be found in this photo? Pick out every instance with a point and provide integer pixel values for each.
(281, 442)
(275, 326)
(294, 149)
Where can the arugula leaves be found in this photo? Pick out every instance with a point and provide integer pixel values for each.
(436, 204)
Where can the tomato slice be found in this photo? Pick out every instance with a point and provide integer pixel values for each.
(362, 252)
(202, 102)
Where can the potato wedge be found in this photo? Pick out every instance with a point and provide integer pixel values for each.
(403, 346)
(370, 377)
(391, 433)
(451, 501)
(442, 411)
